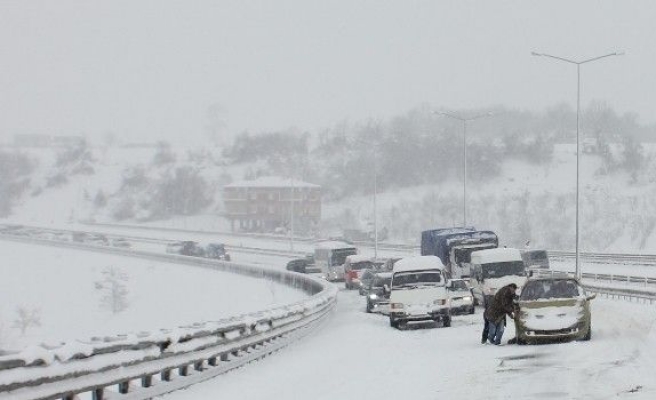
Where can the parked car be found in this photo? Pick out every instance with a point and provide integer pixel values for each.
(216, 251)
(461, 296)
(191, 248)
(418, 292)
(303, 265)
(553, 308)
(354, 266)
(376, 296)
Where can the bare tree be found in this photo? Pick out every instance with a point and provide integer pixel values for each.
(114, 290)
(27, 318)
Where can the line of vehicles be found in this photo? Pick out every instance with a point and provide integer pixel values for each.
(191, 248)
(458, 269)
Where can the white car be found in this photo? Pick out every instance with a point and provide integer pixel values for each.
(461, 297)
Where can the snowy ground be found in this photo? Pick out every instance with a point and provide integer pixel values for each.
(358, 356)
(160, 295)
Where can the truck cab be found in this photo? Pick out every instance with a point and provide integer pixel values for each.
(493, 269)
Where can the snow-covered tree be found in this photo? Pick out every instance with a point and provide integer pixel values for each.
(114, 290)
(27, 318)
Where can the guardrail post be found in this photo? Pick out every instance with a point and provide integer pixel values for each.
(166, 375)
(98, 394)
(184, 370)
(124, 387)
(198, 366)
(147, 381)
(611, 278)
(646, 281)
(224, 357)
(212, 361)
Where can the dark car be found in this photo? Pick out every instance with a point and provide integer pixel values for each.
(216, 251)
(191, 248)
(376, 295)
(303, 265)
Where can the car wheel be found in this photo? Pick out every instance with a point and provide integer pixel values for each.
(393, 323)
(369, 307)
(446, 322)
(347, 286)
(588, 335)
(473, 309)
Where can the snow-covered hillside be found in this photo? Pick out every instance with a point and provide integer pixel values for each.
(526, 201)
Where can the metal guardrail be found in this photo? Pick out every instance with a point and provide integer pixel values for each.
(143, 365)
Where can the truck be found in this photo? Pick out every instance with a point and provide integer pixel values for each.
(453, 246)
(493, 269)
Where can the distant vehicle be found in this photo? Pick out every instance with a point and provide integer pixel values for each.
(418, 292)
(121, 242)
(191, 248)
(553, 308)
(303, 265)
(535, 260)
(454, 247)
(330, 256)
(216, 251)
(461, 296)
(376, 296)
(493, 269)
(354, 266)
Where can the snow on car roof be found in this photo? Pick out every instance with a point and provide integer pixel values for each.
(358, 258)
(495, 255)
(417, 263)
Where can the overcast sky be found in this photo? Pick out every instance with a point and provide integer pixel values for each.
(151, 69)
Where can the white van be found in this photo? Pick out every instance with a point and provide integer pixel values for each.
(493, 269)
(418, 291)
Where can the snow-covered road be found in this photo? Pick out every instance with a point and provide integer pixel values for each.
(358, 356)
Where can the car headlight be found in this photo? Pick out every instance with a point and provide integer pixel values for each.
(396, 306)
(373, 296)
(467, 298)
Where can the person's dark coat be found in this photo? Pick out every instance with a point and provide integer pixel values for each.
(501, 304)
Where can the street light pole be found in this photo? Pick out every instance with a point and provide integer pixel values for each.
(464, 156)
(374, 147)
(578, 138)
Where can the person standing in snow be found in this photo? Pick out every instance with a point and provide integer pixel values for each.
(500, 306)
(486, 328)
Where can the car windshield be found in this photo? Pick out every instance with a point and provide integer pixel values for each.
(406, 280)
(550, 289)
(497, 270)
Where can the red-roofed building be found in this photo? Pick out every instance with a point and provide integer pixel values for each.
(266, 203)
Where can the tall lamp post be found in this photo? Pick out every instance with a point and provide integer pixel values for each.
(578, 138)
(464, 155)
(374, 146)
